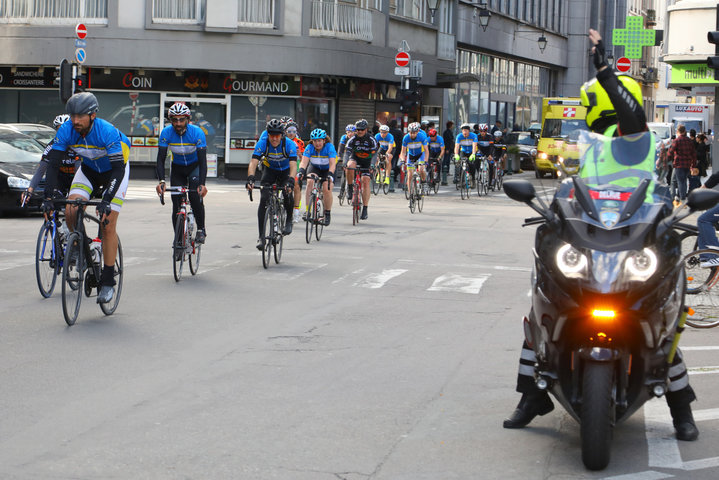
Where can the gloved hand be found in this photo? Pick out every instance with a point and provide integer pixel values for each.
(301, 174)
(598, 57)
(103, 209)
(290, 183)
(471, 158)
(456, 157)
(331, 177)
(47, 205)
(250, 182)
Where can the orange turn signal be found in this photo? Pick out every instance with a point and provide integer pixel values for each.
(604, 314)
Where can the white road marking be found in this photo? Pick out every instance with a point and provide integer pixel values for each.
(289, 272)
(703, 370)
(20, 262)
(661, 443)
(356, 272)
(513, 269)
(451, 282)
(689, 349)
(377, 280)
(648, 475)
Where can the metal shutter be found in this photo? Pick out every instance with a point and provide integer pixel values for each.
(352, 109)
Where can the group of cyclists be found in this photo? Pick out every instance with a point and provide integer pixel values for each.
(483, 147)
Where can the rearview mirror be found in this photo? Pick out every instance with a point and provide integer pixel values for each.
(520, 190)
(702, 199)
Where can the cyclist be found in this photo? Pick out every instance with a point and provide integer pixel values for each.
(414, 147)
(385, 140)
(291, 133)
(466, 142)
(499, 155)
(436, 149)
(279, 158)
(362, 147)
(321, 157)
(104, 154)
(188, 145)
(68, 166)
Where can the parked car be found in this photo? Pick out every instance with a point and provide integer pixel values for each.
(41, 133)
(527, 144)
(19, 156)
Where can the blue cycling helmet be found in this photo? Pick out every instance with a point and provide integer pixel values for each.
(350, 128)
(318, 134)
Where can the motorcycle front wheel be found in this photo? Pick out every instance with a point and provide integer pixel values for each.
(597, 414)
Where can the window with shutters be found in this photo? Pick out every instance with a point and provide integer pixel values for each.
(54, 12)
(185, 12)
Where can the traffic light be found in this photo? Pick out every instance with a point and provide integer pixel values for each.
(67, 83)
(409, 99)
(80, 83)
(713, 62)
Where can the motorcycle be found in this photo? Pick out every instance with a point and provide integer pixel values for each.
(608, 286)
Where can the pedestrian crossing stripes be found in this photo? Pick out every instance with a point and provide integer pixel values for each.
(458, 283)
(376, 280)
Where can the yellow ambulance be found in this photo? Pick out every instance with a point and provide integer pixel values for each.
(562, 120)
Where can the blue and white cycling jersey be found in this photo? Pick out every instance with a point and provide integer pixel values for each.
(102, 145)
(416, 147)
(278, 158)
(183, 147)
(435, 146)
(322, 158)
(465, 143)
(384, 143)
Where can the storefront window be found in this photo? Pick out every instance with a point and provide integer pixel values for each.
(9, 102)
(134, 114)
(250, 114)
(37, 106)
(313, 114)
(484, 107)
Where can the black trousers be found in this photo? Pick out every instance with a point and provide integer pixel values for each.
(269, 177)
(180, 176)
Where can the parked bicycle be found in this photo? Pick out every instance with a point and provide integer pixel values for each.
(83, 263)
(272, 225)
(315, 217)
(416, 194)
(184, 245)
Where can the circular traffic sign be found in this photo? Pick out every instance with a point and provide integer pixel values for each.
(624, 64)
(81, 31)
(401, 59)
(134, 96)
(80, 55)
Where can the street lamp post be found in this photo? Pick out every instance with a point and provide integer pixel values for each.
(484, 15)
(432, 5)
(542, 42)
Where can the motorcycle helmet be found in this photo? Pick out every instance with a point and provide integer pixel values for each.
(274, 127)
(361, 124)
(600, 111)
(318, 134)
(60, 119)
(83, 103)
(179, 109)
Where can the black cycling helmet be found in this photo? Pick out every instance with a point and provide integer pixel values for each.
(361, 124)
(83, 103)
(275, 126)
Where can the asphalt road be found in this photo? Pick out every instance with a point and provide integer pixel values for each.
(386, 351)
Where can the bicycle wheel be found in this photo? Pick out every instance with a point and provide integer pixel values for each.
(343, 186)
(178, 248)
(702, 294)
(420, 196)
(279, 225)
(697, 277)
(310, 219)
(268, 229)
(118, 274)
(320, 217)
(376, 181)
(500, 179)
(435, 184)
(73, 276)
(485, 182)
(385, 183)
(46, 260)
(464, 185)
(356, 207)
(193, 259)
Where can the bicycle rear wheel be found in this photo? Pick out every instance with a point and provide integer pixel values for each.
(412, 198)
(376, 181)
(435, 181)
(341, 196)
(46, 260)
(268, 229)
(194, 258)
(178, 248)
(309, 220)
(319, 217)
(279, 225)
(73, 276)
(385, 183)
(118, 274)
(420, 196)
(464, 185)
(500, 179)
(356, 207)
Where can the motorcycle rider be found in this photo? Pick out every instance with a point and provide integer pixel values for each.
(614, 107)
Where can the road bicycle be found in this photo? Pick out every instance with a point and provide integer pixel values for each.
(356, 200)
(379, 175)
(416, 194)
(49, 253)
(465, 180)
(83, 263)
(272, 225)
(482, 164)
(498, 176)
(343, 187)
(433, 173)
(184, 245)
(315, 216)
(702, 293)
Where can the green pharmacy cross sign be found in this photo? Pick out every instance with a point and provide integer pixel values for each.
(634, 37)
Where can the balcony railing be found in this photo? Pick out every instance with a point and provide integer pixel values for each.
(341, 21)
(53, 12)
(257, 13)
(445, 46)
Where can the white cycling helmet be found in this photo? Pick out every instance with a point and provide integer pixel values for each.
(384, 128)
(60, 119)
(497, 134)
(413, 127)
(179, 109)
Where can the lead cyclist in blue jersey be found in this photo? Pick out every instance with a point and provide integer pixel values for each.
(104, 155)
(279, 159)
(188, 145)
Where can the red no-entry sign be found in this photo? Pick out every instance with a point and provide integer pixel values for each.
(401, 59)
(624, 64)
(81, 31)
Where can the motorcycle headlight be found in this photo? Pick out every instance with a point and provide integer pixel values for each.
(18, 182)
(571, 262)
(640, 266)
